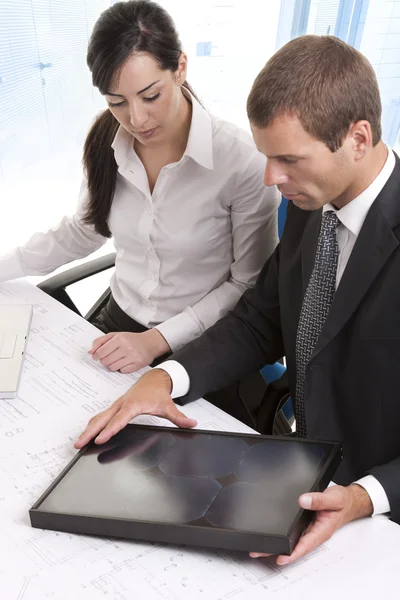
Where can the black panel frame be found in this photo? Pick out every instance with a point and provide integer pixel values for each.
(189, 534)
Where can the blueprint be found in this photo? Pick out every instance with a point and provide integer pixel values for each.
(61, 388)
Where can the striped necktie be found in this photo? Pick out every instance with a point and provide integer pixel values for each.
(316, 304)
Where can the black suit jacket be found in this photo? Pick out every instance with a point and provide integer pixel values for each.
(353, 378)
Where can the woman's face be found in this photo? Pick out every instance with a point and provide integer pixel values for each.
(146, 100)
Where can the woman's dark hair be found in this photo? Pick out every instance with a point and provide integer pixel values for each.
(122, 30)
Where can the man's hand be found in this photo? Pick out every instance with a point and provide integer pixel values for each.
(334, 507)
(127, 352)
(151, 395)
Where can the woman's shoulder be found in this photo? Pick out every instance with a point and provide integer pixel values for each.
(229, 136)
(233, 143)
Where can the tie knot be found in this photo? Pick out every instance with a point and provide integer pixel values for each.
(329, 220)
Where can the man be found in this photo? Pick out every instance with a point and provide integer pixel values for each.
(329, 297)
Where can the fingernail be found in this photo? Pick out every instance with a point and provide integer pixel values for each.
(306, 501)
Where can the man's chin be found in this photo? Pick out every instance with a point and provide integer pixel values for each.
(304, 203)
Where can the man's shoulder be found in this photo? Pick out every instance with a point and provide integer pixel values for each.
(299, 215)
(296, 224)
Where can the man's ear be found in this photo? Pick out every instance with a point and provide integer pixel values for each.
(361, 138)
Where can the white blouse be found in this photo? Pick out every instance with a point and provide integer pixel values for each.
(184, 253)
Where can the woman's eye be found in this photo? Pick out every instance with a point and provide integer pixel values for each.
(152, 98)
(116, 103)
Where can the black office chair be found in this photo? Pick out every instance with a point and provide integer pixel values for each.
(57, 285)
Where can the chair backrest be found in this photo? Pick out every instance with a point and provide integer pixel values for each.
(273, 372)
(282, 215)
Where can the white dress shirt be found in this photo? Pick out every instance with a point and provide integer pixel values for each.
(186, 252)
(351, 217)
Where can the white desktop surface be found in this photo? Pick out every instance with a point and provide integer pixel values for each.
(61, 388)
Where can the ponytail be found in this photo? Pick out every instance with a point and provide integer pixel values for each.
(101, 169)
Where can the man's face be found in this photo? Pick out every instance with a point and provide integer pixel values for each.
(303, 168)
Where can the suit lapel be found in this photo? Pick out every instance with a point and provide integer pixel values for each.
(374, 246)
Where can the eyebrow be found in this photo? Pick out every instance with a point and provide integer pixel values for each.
(137, 94)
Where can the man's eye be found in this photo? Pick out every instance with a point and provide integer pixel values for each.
(288, 161)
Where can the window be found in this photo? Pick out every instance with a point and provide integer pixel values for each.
(371, 26)
(47, 100)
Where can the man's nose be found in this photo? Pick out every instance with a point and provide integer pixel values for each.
(274, 174)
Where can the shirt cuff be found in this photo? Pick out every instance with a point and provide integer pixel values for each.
(10, 266)
(179, 377)
(180, 329)
(376, 492)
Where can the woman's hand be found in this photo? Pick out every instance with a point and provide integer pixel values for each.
(127, 352)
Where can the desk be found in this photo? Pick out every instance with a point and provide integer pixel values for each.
(60, 389)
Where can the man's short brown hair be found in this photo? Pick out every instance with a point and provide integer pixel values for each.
(324, 82)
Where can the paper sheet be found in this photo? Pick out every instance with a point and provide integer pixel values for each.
(62, 388)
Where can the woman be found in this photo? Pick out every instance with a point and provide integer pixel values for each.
(180, 191)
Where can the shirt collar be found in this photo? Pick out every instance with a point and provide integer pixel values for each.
(199, 145)
(353, 214)
(123, 147)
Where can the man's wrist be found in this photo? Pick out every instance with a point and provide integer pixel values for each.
(179, 376)
(361, 504)
(157, 377)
